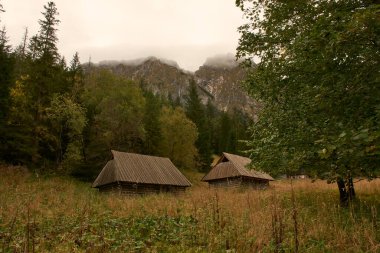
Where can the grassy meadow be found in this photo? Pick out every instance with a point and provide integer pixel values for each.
(55, 214)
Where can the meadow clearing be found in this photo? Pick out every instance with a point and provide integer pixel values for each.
(59, 214)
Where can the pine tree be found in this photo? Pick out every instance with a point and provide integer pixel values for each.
(196, 113)
(6, 72)
(47, 38)
(42, 76)
(47, 77)
(211, 123)
(241, 123)
(6, 68)
(22, 61)
(225, 133)
(75, 66)
(48, 68)
(152, 124)
(76, 78)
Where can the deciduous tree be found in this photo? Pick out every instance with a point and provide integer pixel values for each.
(318, 80)
(67, 120)
(115, 112)
(178, 137)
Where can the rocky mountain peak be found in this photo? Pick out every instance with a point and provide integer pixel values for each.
(219, 80)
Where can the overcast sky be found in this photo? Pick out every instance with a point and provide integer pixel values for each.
(186, 31)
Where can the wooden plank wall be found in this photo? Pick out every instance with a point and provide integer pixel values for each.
(238, 182)
(226, 182)
(141, 189)
(255, 183)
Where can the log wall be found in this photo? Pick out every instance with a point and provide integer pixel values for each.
(141, 189)
(239, 182)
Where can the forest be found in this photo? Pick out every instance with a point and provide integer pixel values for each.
(317, 81)
(64, 118)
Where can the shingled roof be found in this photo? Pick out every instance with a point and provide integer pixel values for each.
(230, 165)
(144, 169)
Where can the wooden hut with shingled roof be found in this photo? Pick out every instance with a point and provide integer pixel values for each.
(134, 174)
(231, 171)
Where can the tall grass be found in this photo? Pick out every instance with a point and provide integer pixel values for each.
(62, 215)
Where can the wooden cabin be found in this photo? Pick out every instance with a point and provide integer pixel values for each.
(135, 174)
(231, 171)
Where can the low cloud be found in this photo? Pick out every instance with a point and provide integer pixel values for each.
(139, 61)
(222, 61)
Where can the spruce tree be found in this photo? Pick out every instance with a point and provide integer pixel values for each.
(22, 61)
(152, 124)
(47, 37)
(195, 112)
(211, 113)
(75, 66)
(76, 78)
(6, 67)
(6, 70)
(48, 69)
(225, 133)
(41, 78)
(47, 76)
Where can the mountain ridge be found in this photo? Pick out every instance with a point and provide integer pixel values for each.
(218, 81)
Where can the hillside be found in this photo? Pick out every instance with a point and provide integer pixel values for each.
(220, 83)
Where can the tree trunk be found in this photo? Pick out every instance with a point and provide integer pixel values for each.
(343, 194)
(346, 190)
(351, 189)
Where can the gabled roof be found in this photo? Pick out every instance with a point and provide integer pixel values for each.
(230, 165)
(144, 169)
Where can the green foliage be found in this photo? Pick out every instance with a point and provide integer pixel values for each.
(6, 71)
(76, 78)
(195, 111)
(178, 135)
(59, 117)
(43, 46)
(115, 112)
(152, 124)
(117, 108)
(227, 139)
(228, 131)
(67, 120)
(318, 83)
(75, 218)
(44, 122)
(19, 145)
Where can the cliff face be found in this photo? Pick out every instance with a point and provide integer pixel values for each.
(220, 84)
(225, 85)
(155, 75)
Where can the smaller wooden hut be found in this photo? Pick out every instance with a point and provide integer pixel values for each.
(134, 174)
(231, 171)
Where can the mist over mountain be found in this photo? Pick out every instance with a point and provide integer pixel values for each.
(219, 80)
(138, 61)
(222, 61)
